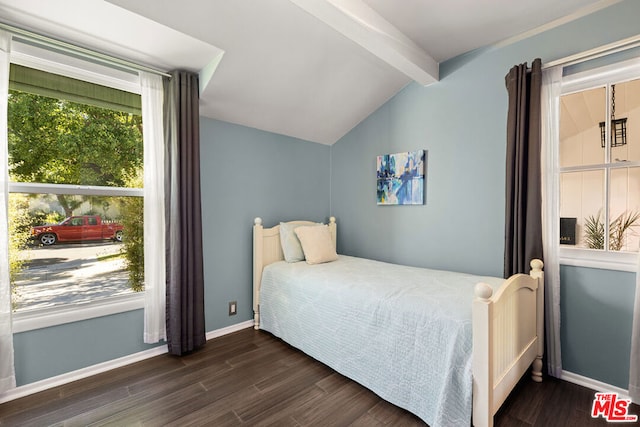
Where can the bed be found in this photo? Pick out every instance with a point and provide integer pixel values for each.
(446, 346)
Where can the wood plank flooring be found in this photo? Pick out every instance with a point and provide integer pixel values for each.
(250, 378)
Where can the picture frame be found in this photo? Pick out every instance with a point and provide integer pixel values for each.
(400, 178)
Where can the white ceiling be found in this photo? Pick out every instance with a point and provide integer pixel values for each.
(311, 69)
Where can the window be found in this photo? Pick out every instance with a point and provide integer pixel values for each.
(599, 156)
(75, 168)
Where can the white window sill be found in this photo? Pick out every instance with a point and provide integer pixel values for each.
(619, 261)
(43, 318)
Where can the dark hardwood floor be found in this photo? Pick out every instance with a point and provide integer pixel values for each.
(250, 378)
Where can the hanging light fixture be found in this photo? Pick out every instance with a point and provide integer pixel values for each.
(618, 126)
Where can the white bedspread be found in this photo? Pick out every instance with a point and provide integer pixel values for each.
(402, 332)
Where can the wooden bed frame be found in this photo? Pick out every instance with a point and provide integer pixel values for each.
(508, 325)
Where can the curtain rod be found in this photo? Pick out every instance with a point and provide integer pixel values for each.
(597, 52)
(80, 51)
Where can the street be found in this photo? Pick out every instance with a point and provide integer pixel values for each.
(71, 273)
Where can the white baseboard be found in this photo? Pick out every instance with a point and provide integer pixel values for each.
(68, 377)
(594, 384)
(229, 329)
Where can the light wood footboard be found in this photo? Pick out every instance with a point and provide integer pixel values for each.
(508, 337)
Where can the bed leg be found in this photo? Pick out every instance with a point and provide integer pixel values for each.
(536, 369)
(256, 320)
(536, 273)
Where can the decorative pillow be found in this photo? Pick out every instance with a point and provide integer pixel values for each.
(290, 244)
(316, 244)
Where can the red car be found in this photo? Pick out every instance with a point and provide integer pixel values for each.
(77, 228)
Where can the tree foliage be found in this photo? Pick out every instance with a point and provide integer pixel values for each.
(19, 236)
(56, 141)
(61, 142)
(132, 210)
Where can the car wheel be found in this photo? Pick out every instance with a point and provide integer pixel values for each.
(48, 239)
(118, 236)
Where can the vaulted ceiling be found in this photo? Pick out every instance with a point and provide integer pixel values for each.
(310, 69)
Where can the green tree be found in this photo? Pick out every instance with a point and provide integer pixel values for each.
(61, 142)
(19, 236)
(132, 211)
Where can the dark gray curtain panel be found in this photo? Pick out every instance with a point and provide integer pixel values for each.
(523, 217)
(185, 277)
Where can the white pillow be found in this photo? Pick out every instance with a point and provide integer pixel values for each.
(290, 244)
(316, 244)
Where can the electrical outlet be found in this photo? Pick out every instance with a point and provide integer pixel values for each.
(233, 308)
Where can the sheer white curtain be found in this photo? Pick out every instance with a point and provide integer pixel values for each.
(7, 372)
(634, 367)
(154, 210)
(550, 103)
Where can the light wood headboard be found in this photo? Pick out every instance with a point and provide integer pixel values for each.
(267, 250)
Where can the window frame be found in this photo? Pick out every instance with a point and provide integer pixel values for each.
(44, 59)
(585, 80)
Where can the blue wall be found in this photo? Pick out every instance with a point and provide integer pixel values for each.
(461, 122)
(597, 316)
(461, 225)
(245, 173)
(248, 173)
(44, 353)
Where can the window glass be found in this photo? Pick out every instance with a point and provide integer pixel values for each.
(627, 108)
(624, 209)
(61, 142)
(74, 149)
(60, 260)
(599, 166)
(580, 116)
(582, 196)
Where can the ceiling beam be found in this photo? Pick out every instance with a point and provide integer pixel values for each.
(360, 23)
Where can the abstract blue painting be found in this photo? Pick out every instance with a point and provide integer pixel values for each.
(401, 178)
